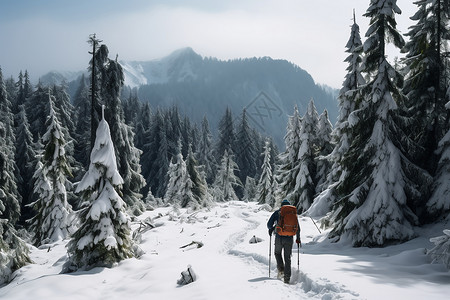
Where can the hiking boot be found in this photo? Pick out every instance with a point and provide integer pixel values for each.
(287, 280)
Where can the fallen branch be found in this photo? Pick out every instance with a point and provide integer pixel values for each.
(217, 225)
(199, 244)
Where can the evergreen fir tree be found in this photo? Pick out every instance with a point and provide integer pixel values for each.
(226, 180)
(350, 97)
(128, 156)
(25, 159)
(305, 184)
(8, 168)
(325, 147)
(104, 235)
(198, 179)
(20, 98)
(425, 79)
(131, 108)
(66, 116)
(12, 92)
(186, 136)
(372, 208)
(264, 194)
(179, 188)
(441, 250)
(426, 83)
(14, 253)
(64, 108)
(205, 154)
(81, 94)
(245, 149)
(82, 106)
(143, 125)
(439, 205)
(226, 139)
(155, 158)
(54, 217)
(288, 169)
(173, 130)
(250, 189)
(36, 109)
(24, 91)
(5, 259)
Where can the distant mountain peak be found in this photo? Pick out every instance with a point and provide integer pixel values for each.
(179, 66)
(183, 52)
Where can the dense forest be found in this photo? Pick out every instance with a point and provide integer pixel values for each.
(81, 168)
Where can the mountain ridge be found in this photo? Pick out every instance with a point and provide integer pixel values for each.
(205, 86)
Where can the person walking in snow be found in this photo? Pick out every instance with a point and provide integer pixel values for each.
(285, 224)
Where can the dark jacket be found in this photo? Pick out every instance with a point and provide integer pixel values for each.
(273, 221)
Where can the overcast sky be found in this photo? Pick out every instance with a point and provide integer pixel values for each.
(51, 34)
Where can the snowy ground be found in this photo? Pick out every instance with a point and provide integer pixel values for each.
(229, 267)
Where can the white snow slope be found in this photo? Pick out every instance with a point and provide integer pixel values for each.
(229, 267)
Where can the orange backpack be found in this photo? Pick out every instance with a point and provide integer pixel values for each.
(287, 222)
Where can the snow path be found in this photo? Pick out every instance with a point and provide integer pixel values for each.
(301, 283)
(229, 267)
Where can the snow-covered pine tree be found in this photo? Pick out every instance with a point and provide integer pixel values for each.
(8, 168)
(19, 97)
(104, 235)
(245, 149)
(441, 251)
(325, 147)
(426, 73)
(82, 104)
(12, 90)
(127, 155)
(131, 109)
(264, 190)
(204, 153)
(439, 205)
(274, 154)
(97, 66)
(13, 250)
(64, 109)
(226, 180)
(25, 160)
(66, 116)
(197, 177)
(5, 259)
(250, 189)
(350, 97)
(155, 158)
(172, 122)
(25, 91)
(372, 208)
(36, 109)
(305, 183)
(179, 188)
(186, 135)
(260, 143)
(54, 218)
(226, 139)
(426, 84)
(142, 126)
(288, 169)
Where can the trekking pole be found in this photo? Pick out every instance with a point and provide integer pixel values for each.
(315, 224)
(298, 256)
(270, 251)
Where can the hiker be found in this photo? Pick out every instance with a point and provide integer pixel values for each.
(286, 226)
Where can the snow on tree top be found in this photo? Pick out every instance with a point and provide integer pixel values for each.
(103, 155)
